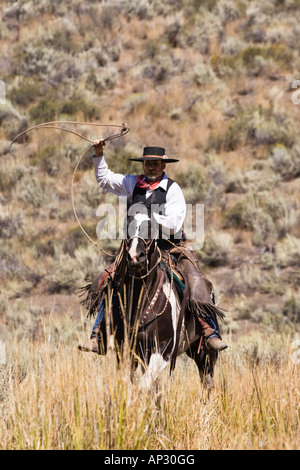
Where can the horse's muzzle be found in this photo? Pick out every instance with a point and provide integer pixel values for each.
(136, 263)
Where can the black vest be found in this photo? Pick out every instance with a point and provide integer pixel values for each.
(158, 197)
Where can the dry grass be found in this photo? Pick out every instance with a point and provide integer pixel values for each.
(54, 397)
(211, 82)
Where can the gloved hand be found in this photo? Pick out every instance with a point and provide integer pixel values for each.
(99, 145)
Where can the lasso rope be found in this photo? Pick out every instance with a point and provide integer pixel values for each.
(55, 125)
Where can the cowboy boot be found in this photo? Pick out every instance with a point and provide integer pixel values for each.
(93, 345)
(216, 343)
(201, 304)
(213, 338)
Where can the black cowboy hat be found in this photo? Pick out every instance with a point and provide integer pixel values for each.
(154, 153)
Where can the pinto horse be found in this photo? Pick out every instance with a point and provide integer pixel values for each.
(148, 306)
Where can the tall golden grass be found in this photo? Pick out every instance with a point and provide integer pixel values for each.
(54, 397)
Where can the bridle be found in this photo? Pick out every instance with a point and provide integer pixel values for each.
(148, 244)
(151, 303)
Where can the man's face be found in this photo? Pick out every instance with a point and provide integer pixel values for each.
(153, 169)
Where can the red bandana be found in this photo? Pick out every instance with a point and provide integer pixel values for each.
(142, 183)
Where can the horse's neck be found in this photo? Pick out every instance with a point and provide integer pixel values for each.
(154, 255)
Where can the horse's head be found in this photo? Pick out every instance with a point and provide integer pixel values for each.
(140, 238)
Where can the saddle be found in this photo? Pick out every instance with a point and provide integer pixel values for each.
(177, 276)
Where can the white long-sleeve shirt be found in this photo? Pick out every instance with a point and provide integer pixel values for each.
(123, 185)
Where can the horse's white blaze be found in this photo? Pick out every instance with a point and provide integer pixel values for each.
(139, 218)
(133, 248)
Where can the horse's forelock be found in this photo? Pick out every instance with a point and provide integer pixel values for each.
(140, 218)
(134, 225)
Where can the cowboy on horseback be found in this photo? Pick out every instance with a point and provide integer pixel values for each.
(155, 189)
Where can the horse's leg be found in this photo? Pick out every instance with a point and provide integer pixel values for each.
(159, 341)
(133, 366)
(156, 365)
(205, 361)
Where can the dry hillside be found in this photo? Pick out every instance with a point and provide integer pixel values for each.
(212, 82)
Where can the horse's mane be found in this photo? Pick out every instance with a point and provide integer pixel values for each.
(95, 290)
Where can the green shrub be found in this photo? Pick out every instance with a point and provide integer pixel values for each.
(236, 183)
(194, 183)
(34, 192)
(161, 69)
(285, 161)
(62, 40)
(88, 192)
(277, 52)
(291, 307)
(12, 266)
(10, 174)
(51, 107)
(264, 229)
(259, 214)
(65, 275)
(136, 101)
(102, 79)
(118, 157)
(12, 121)
(241, 215)
(288, 252)
(267, 128)
(76, 239)
(68, 272)
(106, 53)
(108, 17)
(150, 49)
(203, 74)
(268, 316)
(253, 60)
(36, 60)
(174, 33)
(10, 226)
(226, 66)
(216, 249)
(25, 92)
(258, 126)
(45, 111)
(58, 159)
(77, 104)
(46, 159)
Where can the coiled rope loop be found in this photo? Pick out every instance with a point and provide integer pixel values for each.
(56, 125)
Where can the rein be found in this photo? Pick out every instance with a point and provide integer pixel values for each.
(155, 297)
(150, 308)
(147, 248)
